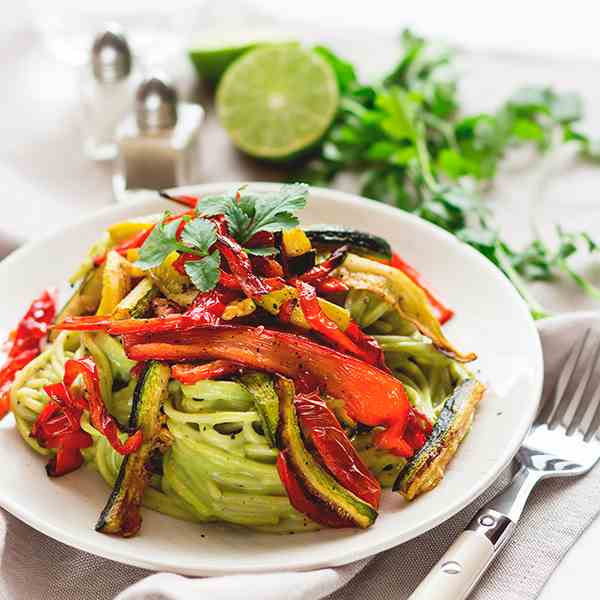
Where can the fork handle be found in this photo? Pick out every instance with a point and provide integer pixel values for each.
(457, 572)
(461, 567)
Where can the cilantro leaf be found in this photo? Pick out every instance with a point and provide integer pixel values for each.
(258, 212)
(159, 244)
(214, 205)
(275, 212)
(200, 234)
(237, 214)
(399, 113)
(204, 273)
(344, 71)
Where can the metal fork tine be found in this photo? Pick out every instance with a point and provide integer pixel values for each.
(562, 396)
(584, 394)
(595, 422)
(561, 383)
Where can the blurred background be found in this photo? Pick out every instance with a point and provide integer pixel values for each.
(50, 179)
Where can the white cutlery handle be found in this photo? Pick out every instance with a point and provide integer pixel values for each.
(461, 567)
(458, 570)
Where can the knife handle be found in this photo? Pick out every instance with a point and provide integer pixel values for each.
(461, 567)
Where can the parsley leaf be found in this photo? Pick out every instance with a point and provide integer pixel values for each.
(200, 234)
(159, 244)
(204, 273)
(411, 147)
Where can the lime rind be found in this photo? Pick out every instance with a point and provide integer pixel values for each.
(211, 63)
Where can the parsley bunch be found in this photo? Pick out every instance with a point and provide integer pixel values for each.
(406, 138)
(246, 213)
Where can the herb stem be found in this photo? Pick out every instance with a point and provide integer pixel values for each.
(424, 160)
(536, 309)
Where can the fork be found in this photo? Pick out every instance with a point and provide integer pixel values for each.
(562, 442)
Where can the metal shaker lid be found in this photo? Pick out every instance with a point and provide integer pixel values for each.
(156, 104)
(111, 55)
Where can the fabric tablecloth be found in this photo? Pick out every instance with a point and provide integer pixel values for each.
(47, 182)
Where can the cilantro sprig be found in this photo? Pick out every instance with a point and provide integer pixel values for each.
(197, 236)
(246, 213)
(250, 213)
(406, 137)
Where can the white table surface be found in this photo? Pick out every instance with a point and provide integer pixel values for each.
(47, 182)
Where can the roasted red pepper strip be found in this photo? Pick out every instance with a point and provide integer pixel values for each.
(4, 404)
(302, 501)
(191, 201)
(26, 343)
(413, 434)
(241, 267)
(441, 311)
(99, 416)
(367, 344)
(372, 396)
(206, 309)
(179, 263)
(321, 428)
(285, 312)
(58, 427)
(188, 374)
(323, 269)
(169, 323)
(266, 266)
(320, 322)
(331, 285)
(228, 281)
(262, 238)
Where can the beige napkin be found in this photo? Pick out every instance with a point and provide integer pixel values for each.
(34, 566)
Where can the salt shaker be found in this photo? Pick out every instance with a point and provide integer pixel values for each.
(158, 143)
(108, 89)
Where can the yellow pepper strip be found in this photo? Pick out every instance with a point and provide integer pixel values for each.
(239, 308)
(116, 282)
(120, 232)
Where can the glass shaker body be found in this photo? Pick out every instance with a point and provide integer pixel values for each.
(155, 159)
(104, 104)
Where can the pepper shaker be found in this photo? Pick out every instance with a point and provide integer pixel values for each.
(107, 92)
(157, 145)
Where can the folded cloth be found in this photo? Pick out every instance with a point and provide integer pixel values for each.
(8, 243)
(34, 566)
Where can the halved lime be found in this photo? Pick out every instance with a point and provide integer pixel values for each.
(211, 63)
(277, 101)
(214, 54)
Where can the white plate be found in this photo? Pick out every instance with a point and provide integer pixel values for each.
(491, 320)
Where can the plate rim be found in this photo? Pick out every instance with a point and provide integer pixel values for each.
(341, 557)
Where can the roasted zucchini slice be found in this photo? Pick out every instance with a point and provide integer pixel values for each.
(266, 402)
(121, 515)
(330, 236)
(296, 265)
(318, 482)
(84, 300)
(426, 469)
(172, 284)
(137, 303)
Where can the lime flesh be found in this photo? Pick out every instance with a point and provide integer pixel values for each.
(277, 101)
